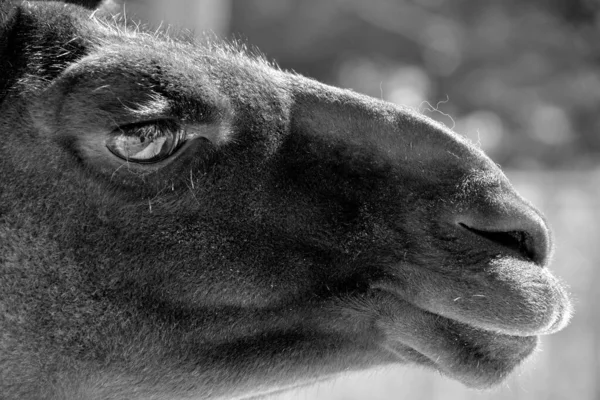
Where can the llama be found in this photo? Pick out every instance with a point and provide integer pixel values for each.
(185, 221)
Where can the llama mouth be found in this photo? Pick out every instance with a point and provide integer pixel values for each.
(474, 324)
(506, 295)
(477, 357)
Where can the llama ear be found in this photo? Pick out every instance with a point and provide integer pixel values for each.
(121, 10)
(110, 7)
(9, 16)
(9, 13)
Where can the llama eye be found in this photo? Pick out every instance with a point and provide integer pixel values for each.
(146, 143)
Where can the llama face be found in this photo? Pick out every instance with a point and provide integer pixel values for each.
(182, 220)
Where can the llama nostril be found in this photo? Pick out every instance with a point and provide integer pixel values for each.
(522, 231)
(518, 241)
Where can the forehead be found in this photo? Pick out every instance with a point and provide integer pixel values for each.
(176, 74)
(179, 48)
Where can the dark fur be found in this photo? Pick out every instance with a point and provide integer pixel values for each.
(307, 231)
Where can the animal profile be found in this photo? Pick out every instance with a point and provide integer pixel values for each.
(189, 221)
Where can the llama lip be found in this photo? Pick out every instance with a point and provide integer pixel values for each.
(477, 357)
(506, 295)
(479, 362)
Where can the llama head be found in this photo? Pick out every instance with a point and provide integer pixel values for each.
(180, 219)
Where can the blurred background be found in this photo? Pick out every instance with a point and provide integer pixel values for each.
(519, 78)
